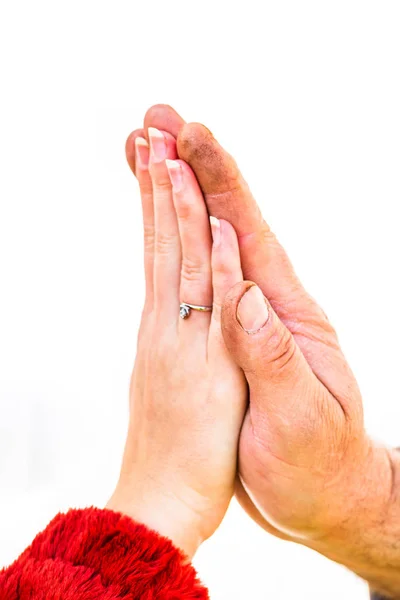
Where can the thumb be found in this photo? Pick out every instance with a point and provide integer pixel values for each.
(276, 370)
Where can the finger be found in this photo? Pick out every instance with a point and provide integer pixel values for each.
(160, 116)
(167, 251)
(130, 145)
(146, 194)
(226, 272)
(130, 148)
(226, 269)
(280, 379)
(264, 260)
(289, 407)
(195, 236)
(227, 194)
(165, 118)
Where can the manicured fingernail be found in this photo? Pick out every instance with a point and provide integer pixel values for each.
(252, 311)
(215, 231)
(175, 174)
(142, 152)
(158, 146)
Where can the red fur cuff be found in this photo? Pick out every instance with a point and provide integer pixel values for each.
(95, 554)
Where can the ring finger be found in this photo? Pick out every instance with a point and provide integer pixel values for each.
(195, 235)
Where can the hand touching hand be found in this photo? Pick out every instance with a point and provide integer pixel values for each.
(308, 470)
(187, 395)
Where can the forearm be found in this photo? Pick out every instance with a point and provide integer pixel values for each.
(369, 543)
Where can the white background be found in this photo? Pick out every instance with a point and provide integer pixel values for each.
(306, 95)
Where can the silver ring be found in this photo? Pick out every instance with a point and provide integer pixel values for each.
(185, 309)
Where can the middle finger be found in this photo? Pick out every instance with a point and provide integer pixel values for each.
(167, 253)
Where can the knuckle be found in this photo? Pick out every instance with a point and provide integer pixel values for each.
(149, 236)
(266, 230)
(220, 266)
(281, 349)
(266, 235)
(189, 211)
(160, 180)
(163, 185)
(146, 189)
(184, 211)
(165, 243)
(193, 270)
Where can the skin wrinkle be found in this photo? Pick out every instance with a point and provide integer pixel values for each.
(205, 152)
(266, 262)
(232, 310)
(219, 195)
(394, 483)
(245, 290)
(263, 230)
(172, 367)
(282, 475)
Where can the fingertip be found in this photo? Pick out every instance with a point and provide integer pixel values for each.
(142, 153)
(230, 325)
(226, 265)
(187, 191)
(226, 246)
(164, 117)
(130, 148)
(215, 231)
(162, 146)
(194, 142)
(215, 169)
(252, 311)
(236, 292)
(188, 173)
(229, 231)
(192, 134)
(171, 145)
(175, 175)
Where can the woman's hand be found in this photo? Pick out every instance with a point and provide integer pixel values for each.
(187, 396)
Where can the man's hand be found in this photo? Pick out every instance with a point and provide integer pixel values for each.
(307, 470)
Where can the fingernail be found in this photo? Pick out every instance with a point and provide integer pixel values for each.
(215, 231)
(252, 311)
(158, 146)
(175, 174)
(142, 152)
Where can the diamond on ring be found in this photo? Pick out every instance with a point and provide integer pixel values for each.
(185, 309)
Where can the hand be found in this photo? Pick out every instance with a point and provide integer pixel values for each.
(187, 397)
(308, 470)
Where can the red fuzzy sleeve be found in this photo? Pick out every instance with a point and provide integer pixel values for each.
(95, 554)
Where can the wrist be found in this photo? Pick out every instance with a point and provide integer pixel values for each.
(367, 540)
(162, 514)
